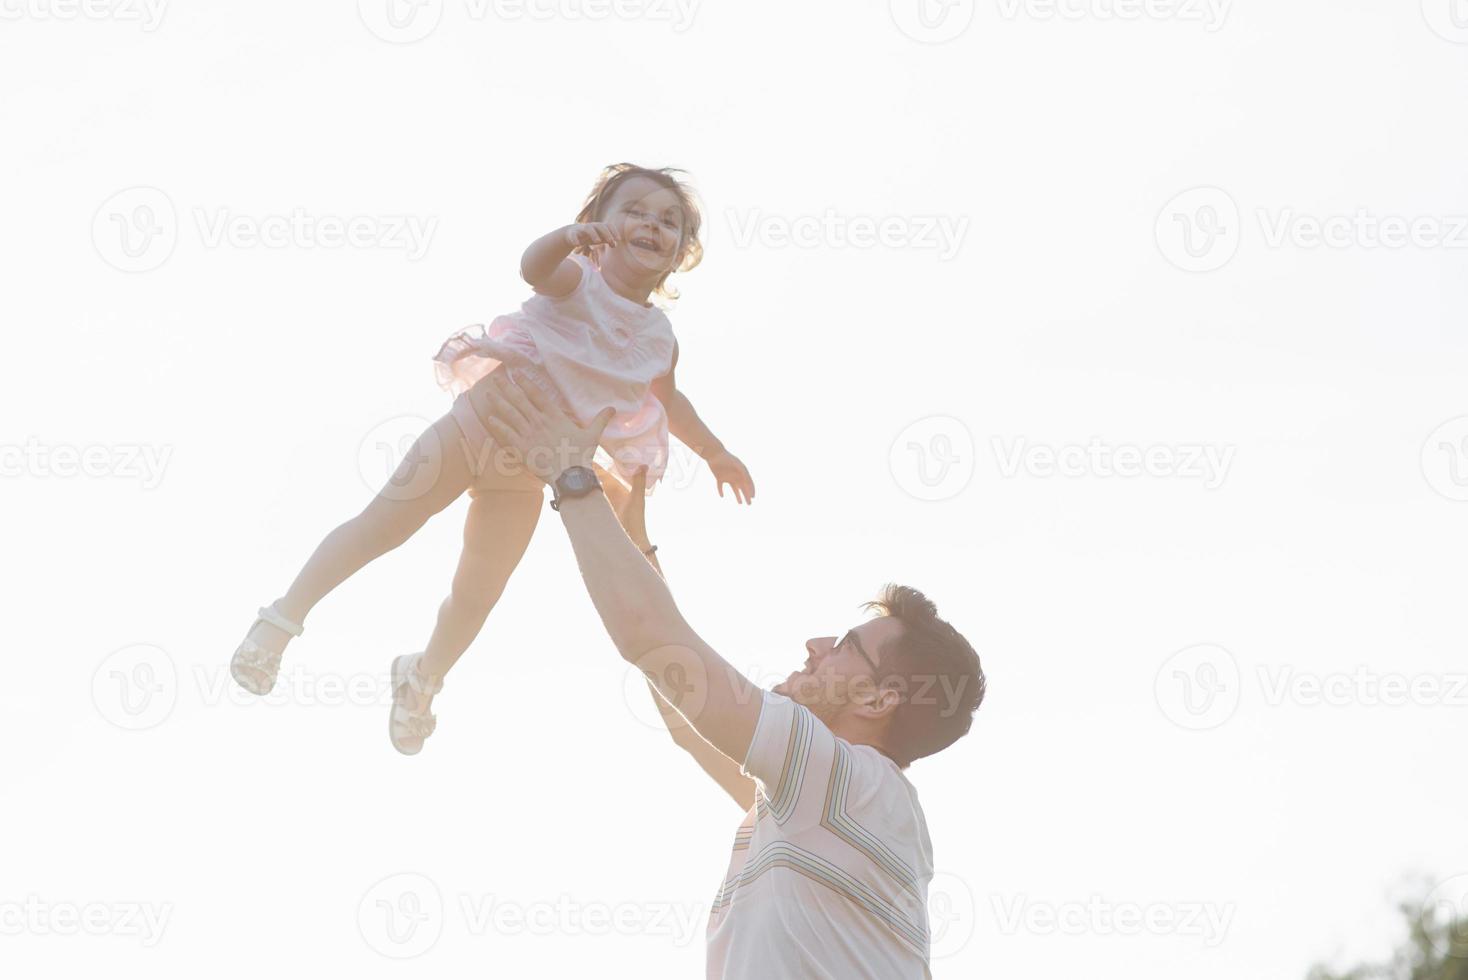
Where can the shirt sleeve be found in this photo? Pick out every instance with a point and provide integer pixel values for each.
(790, 757)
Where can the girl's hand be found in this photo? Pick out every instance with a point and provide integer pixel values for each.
(728, 469)
(591, 233)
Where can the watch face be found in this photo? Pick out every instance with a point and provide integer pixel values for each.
(577, 480)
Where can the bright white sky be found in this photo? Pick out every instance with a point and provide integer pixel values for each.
(1051, 149)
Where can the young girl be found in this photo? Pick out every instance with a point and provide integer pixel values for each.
(590, 336)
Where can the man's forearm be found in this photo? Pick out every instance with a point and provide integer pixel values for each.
(634, 603)
(635, 606)
(684, 423)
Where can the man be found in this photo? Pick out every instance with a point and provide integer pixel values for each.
(830, 868)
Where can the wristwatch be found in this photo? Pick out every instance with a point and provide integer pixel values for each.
(575, 481)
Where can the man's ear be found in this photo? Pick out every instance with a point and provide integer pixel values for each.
(884, 701)
(890, 701)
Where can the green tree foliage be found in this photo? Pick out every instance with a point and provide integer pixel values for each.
(1436, 948)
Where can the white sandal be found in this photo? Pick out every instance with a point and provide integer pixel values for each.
(253, 667)
(406, 728)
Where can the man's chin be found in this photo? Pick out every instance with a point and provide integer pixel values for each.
(789, 685)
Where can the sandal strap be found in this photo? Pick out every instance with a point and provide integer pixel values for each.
(415, 679)
(269, 615)
(405, 722)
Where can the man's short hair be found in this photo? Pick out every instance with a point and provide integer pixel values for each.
(935, 669)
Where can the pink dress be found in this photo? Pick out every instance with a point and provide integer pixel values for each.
(590, 349)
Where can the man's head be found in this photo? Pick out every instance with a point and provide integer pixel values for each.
(906, 681)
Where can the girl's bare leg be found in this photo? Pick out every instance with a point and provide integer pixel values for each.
(496, 534)
(437, 464)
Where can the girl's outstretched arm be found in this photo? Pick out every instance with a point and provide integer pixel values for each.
(547, 264)
(692, 431)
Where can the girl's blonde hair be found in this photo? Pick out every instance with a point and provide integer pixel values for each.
(690, 247)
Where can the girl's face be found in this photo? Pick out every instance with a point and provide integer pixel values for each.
(648, 219)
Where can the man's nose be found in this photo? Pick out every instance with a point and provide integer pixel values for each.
(820, 646)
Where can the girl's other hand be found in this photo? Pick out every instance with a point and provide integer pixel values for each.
(727, 468)
(591, 233)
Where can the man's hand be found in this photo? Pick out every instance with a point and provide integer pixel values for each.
(531, 426)
(727, 468)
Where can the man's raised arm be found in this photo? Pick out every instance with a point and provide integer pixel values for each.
(629, 503)
(635, 605)
(647, 629)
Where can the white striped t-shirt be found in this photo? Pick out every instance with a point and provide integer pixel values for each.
(830, 869)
